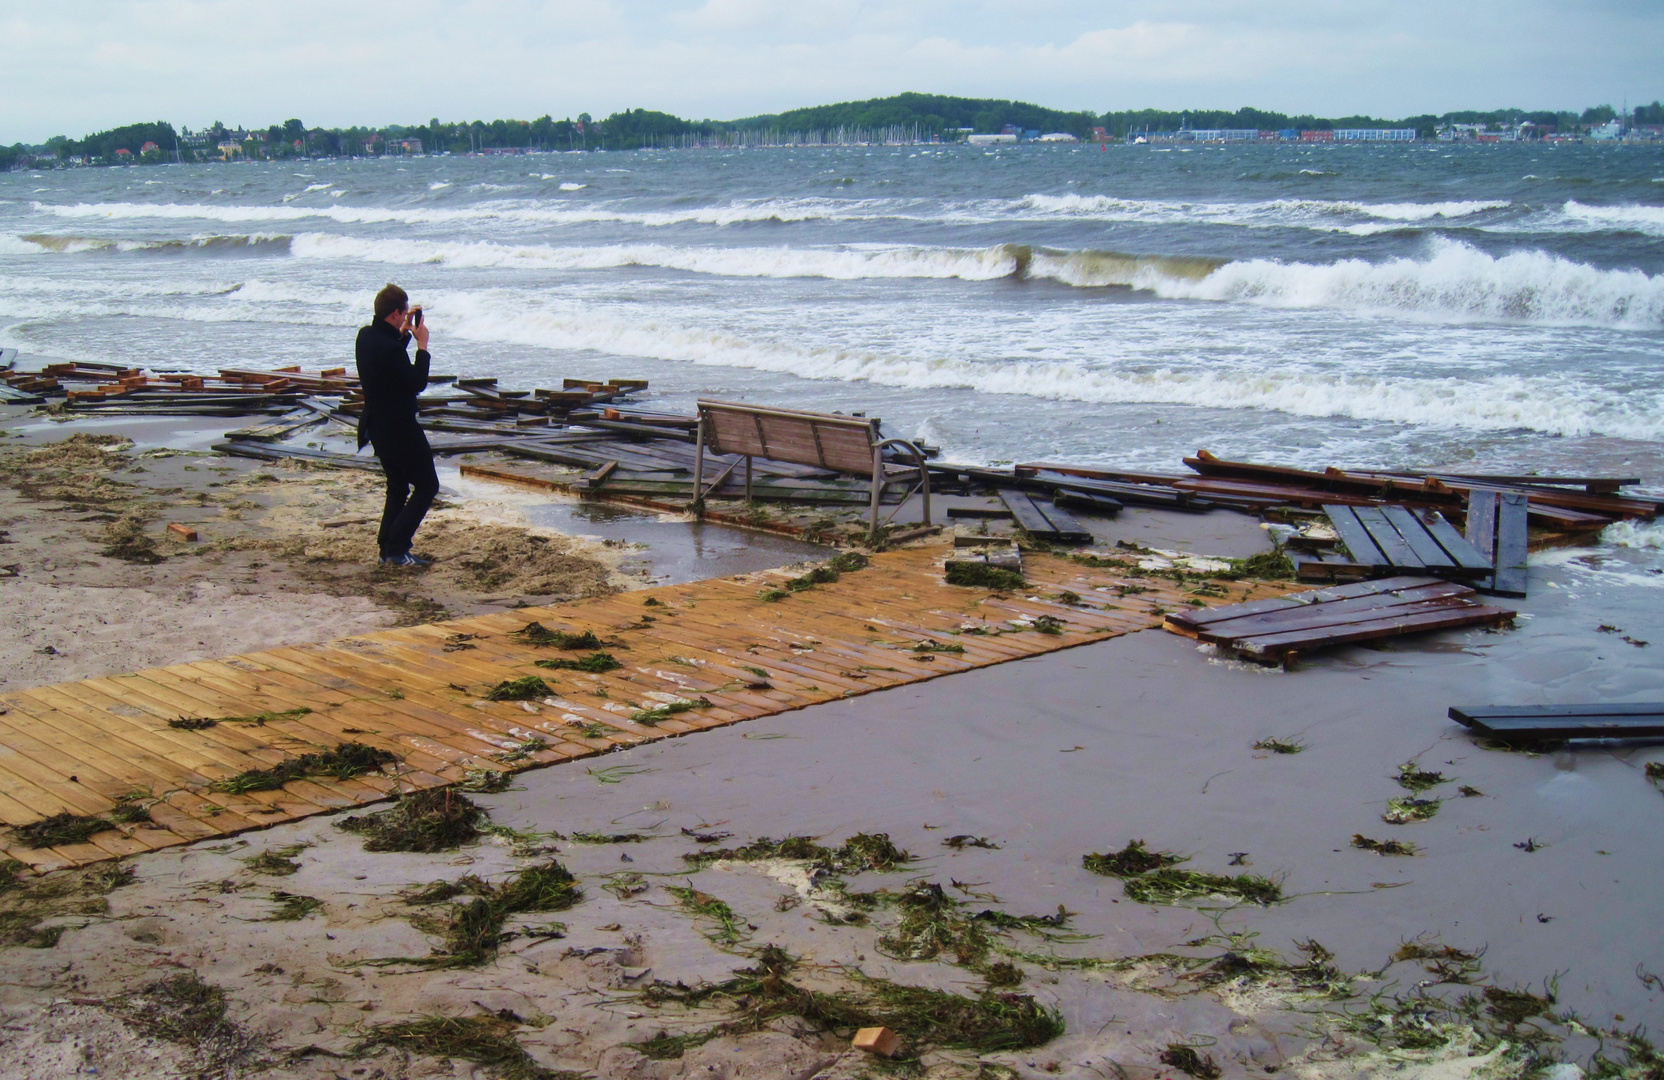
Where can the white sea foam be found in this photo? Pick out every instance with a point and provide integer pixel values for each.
(569, 186)
(1641, 535)
(779, 262)
(1455, 283)
(1643, 219)
(1556, 405)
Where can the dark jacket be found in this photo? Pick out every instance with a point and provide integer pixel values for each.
(390, 381)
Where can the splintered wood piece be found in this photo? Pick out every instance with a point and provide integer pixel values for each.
(877, 1040)
(183, 532)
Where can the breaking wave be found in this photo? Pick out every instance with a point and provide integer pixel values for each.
(34, 243)
(1560, 405)
(1079, 268)
(1456, 283)
(1644, 219)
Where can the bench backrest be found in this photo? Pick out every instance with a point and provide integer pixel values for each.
(844, 443)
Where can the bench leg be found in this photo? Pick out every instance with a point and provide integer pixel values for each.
(877, 490)
(698, 504)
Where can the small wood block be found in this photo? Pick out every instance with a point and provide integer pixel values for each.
(182, 532)
(877, 1040)
(330, 373)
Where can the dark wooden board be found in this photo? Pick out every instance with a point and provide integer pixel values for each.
(1387, 538)
(1511, 574)
(1065, 529)
(1356, 538)
(1532, 723)
(1415, 533)
(1028, 515)
(1455, 544)
(1389, 625)
(1208, 616)
(1315, 617)
(1481, 528)
(1100, 505)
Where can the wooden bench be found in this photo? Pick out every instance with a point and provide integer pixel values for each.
(847, 444)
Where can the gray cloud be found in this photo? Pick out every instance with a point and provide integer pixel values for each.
(77, 65)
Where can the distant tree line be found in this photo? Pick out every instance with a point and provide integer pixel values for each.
(930, 115)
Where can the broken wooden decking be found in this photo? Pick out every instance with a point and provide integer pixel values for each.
(420, 691)
(1556, 723)
(1279, 629)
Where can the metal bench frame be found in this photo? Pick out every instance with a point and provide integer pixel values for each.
(848, 444)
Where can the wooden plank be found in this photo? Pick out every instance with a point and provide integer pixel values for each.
(1064, 526)
(1028, 515)
(1209, 616)
(1415, 534)
(1455, 544)
(1388, 626)
(1316, 616)
(1387, 538)
(1099, 505)
(1511, 543)
(1537, 723)
(1481, 528)
(1488, 713)
(1353, 534)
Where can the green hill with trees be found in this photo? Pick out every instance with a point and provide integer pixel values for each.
(908, 115)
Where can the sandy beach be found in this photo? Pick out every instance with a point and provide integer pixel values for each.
(1518, 936)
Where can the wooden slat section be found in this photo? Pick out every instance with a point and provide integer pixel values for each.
(77, 746)
(1353, 534)
(1532, 723)
(1511, 575)
(1455, 544)
(1481, 529)
(1273, 629)
(1415, 534)
(1386, 537)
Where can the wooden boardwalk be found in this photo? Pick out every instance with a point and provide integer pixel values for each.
(420, 691)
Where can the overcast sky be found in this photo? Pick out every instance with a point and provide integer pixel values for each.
(75, 66)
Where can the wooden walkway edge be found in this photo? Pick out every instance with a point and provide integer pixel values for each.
(87, 747)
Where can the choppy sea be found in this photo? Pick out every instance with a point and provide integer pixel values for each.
(1477, 306)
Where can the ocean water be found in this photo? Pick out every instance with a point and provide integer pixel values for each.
(1428, 305)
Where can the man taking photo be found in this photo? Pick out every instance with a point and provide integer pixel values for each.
(390, 383)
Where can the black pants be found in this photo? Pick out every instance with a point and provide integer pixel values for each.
(407, 461)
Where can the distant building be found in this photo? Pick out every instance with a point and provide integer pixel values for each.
(1058, 136)
(1612, 129)
(1317, 136)
(148, 147)
(230, 148)
(123, 154)
(991, 140)
(411, 145)
(1220, 134)
(1375, 134)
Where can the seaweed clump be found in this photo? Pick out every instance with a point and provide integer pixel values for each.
(535, 633)
(1405, 809)
(925, 1018)
(471, 932)
(64, 828)
(1153, 877)
(1280, 746)
(25, 903)
(1411, 778)
(343, 762)
(279, 862)
(483, 1040)
(1130, 861)
(859, 853)
(1383, 847)
(525, 688)
(595, 663)
(981, 575)
(1187, 1060)
(183, 1008)
(652, 716)
(435, 819)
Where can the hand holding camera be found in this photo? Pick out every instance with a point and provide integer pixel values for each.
(417, 327)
